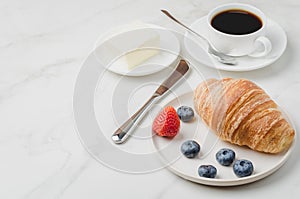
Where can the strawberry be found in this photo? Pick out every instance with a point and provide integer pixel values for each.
(166, 123)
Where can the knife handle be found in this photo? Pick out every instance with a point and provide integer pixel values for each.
(123, 132)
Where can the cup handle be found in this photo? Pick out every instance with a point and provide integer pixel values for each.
(262, 47)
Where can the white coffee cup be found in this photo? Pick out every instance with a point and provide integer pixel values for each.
(254, 44)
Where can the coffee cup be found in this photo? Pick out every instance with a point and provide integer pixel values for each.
(238, 29)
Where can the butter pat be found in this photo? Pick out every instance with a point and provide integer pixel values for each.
(145, 51)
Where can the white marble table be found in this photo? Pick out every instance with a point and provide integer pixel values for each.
(43, 44)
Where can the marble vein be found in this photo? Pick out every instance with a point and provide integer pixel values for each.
(43, 72)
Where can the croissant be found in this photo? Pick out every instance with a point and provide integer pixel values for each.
(240, 112)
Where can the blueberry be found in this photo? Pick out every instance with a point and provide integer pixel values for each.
(225, 156)
(207, 171)
(243, 168)
(190, 148)
(185, 113)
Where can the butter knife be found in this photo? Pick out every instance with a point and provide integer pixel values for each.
(124, 131)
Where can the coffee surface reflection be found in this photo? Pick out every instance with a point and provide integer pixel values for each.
(236, 22)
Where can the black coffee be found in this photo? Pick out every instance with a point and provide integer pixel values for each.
(236, 22)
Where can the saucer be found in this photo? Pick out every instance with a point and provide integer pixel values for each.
(112, 48)
(274, 32)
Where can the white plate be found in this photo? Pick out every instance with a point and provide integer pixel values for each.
(274, 32)
(103, 101)
(169, 152)
(112, 47)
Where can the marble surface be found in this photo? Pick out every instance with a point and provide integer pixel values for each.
(42, 47)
